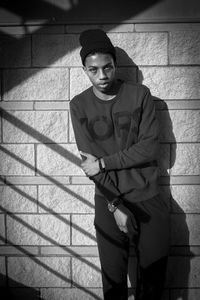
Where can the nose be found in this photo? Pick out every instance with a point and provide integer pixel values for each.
(102, 74)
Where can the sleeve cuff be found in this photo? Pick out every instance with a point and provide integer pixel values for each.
(111, 162)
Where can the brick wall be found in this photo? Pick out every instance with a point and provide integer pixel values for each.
(47, 245)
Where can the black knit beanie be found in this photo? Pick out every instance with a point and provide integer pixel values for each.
(95, 40)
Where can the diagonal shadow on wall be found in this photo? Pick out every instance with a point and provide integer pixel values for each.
(67, 155)
(8, 282)
(16, 50)
(62, 17)
(19, 292)
(76, 11)
(45, 208)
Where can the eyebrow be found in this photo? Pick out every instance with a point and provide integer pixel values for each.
(106, 65)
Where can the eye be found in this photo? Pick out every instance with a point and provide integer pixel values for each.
(93, 71)
(107, 68)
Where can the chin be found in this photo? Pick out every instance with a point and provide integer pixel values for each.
(104, 89)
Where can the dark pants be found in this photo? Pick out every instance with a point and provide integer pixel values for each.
(151, 243)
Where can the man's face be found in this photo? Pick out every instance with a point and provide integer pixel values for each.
(100, 68)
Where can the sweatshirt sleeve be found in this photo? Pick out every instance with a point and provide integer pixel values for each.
(146, 148)
(102, 180)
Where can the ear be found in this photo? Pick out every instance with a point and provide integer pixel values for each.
(84, 69)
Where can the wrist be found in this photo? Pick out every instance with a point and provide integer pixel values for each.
(113, 205)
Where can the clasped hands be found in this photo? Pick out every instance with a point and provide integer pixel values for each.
(91, 165)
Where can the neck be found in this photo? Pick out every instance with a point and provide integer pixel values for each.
(108, 95)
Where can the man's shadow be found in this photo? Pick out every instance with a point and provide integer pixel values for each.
(178, 268)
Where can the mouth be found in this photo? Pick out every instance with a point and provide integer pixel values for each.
(104, 84)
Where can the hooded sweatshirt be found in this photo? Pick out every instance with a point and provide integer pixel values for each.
(124, 132)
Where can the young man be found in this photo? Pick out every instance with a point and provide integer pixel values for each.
(117, 135)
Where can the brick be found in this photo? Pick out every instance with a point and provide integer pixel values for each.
(185, 229)
(17, 160)
(55, 227)
(2, 229)
(18, 198)
(172, 82)
(21, 293)
(71, 294)
(167, 27)
(105, 27)
(36, 84)
(186, 198)
(45, 29)
(186, 159)
(19, 250)
(80, 237)
(56, 50)
(80, 251)
(118, 28)
(86, 274)
(60, 181)
(39, 271)
(19, 232)
(183, 104)
(70, 199)
(16, 105)
(184, 47)
(38, 229)
(2, 272)
(189, 294)
(142, 48)
(74, 28)
(35, 127)
(179, 125)
(189, 179)
(15, 51)
(71, 131)
(190, 277)
(31, 29)
(62, 105)
(59, 160)
(78, 81)
(13, 30)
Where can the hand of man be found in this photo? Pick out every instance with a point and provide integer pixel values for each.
(125, 220)
(91, 165)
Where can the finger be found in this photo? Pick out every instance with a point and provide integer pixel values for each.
(83, 165)
(123, 229)
(86, 170)
(84, 154)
